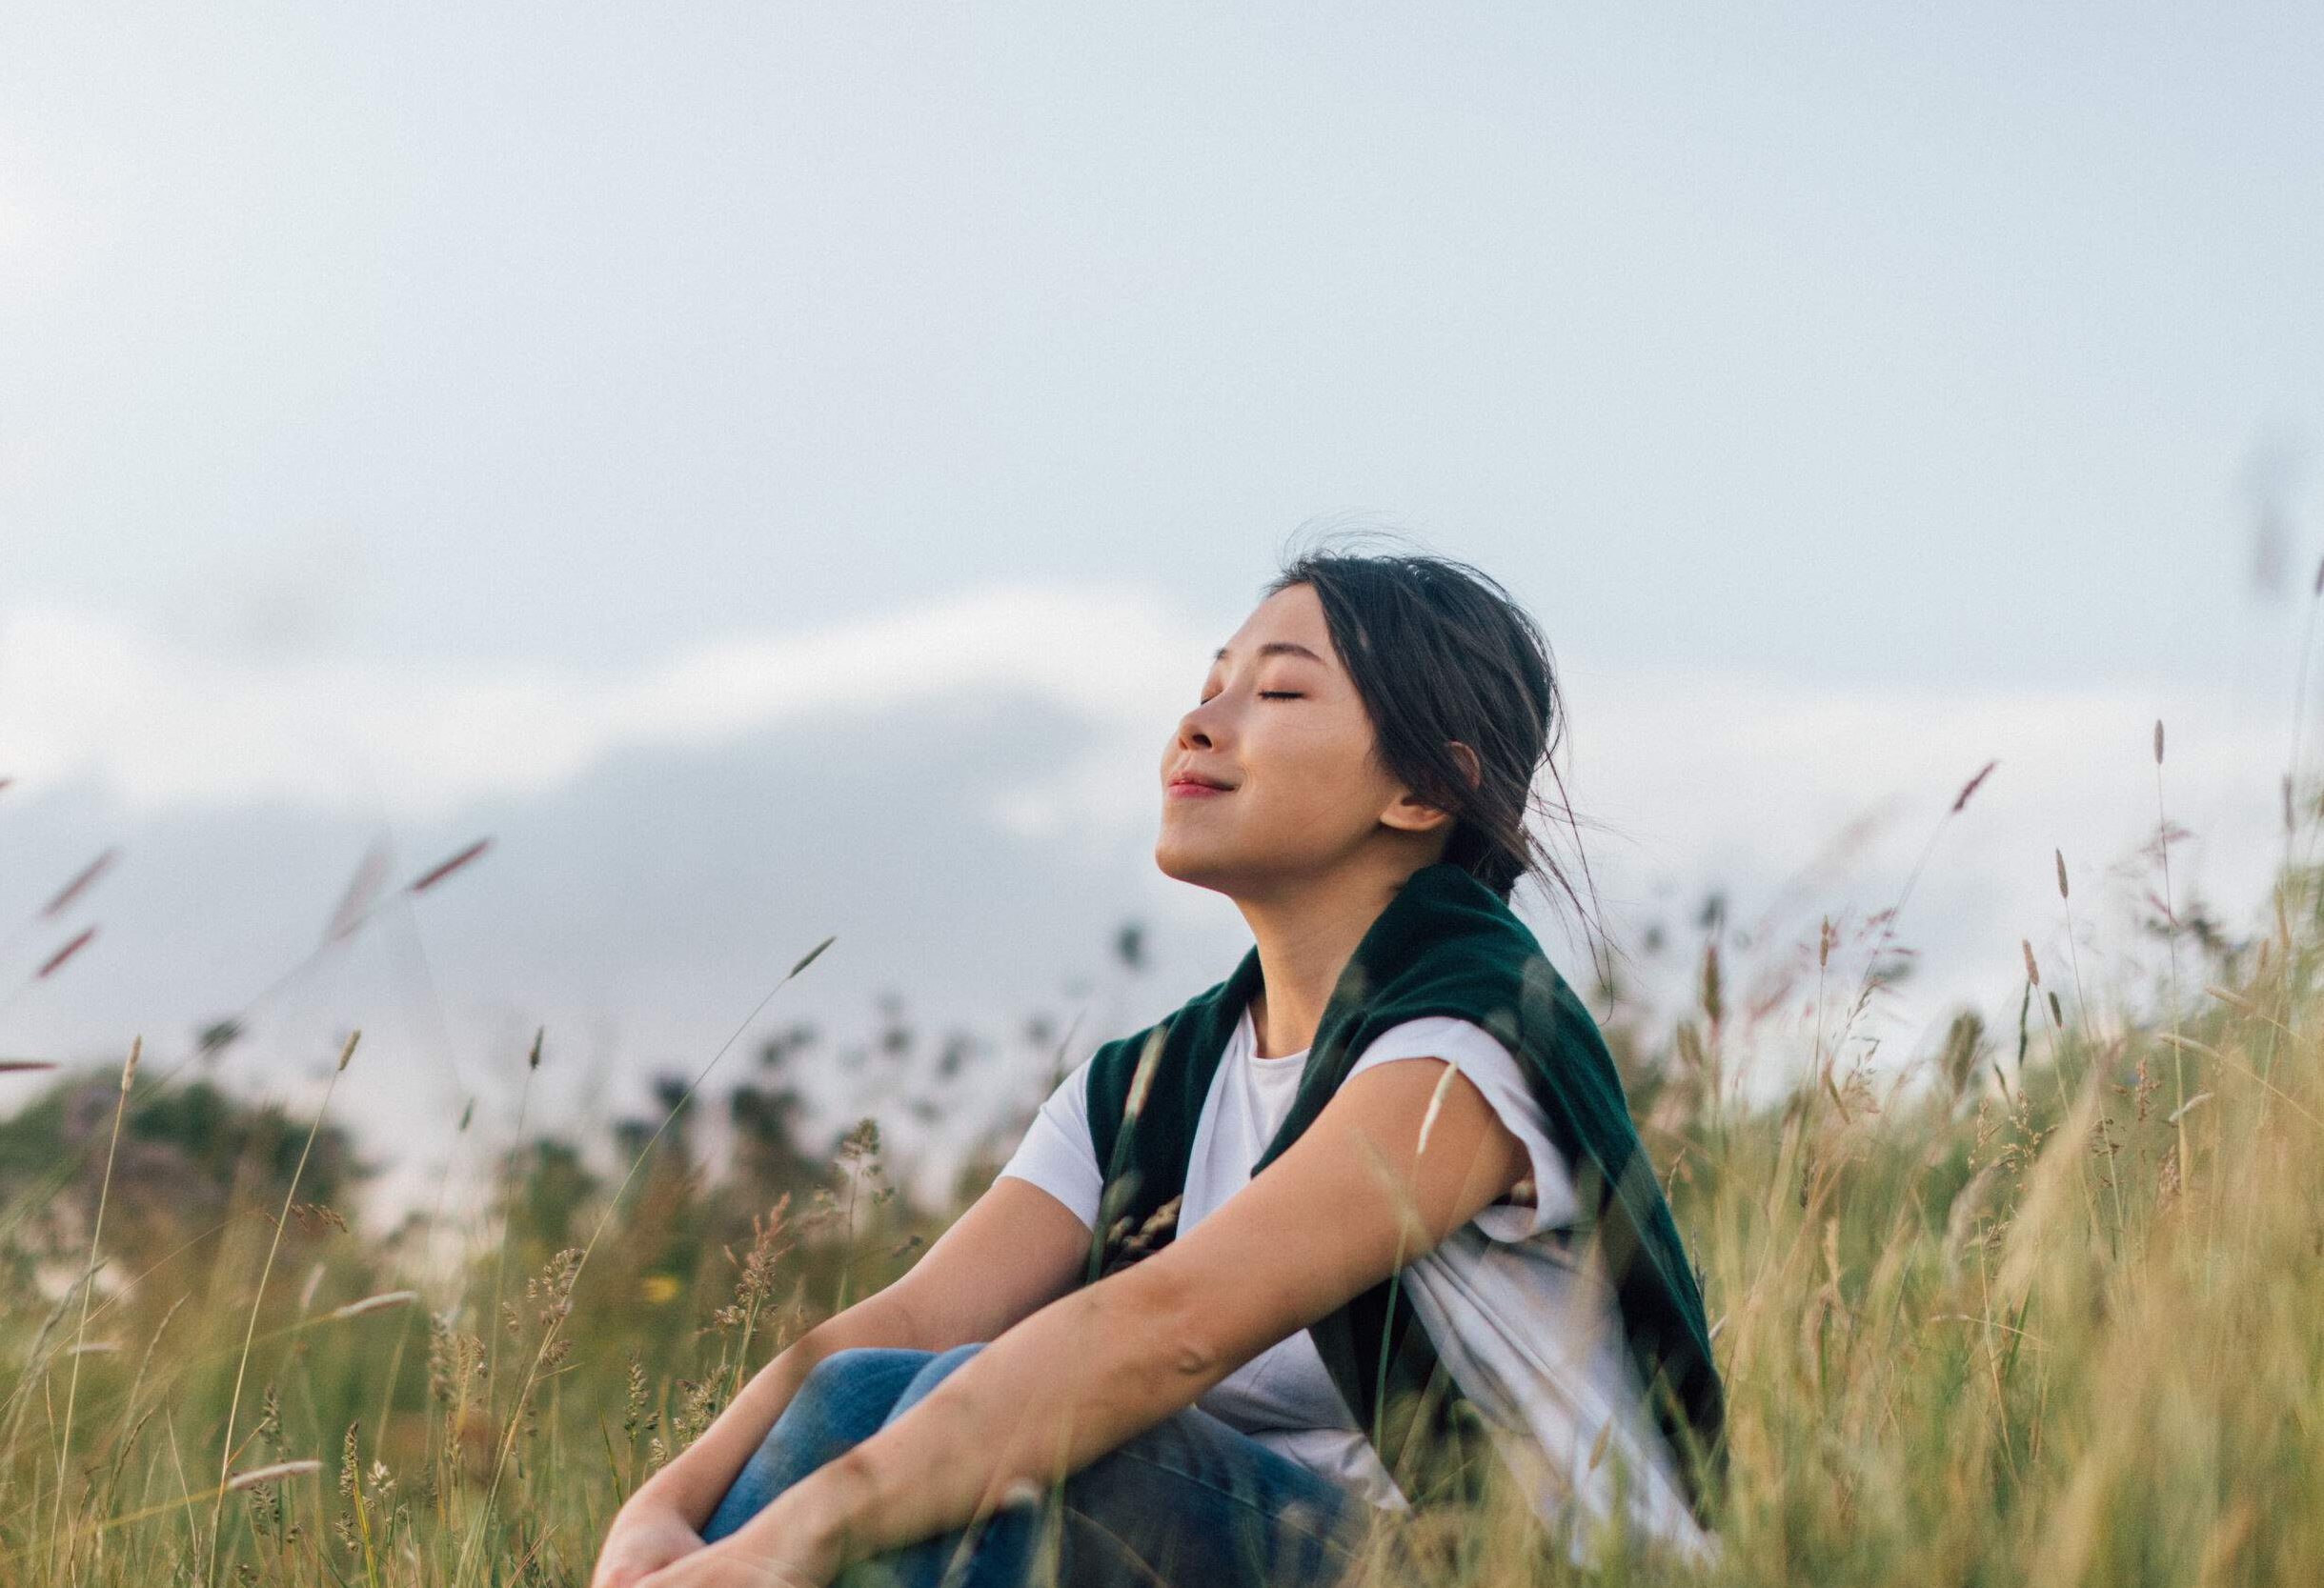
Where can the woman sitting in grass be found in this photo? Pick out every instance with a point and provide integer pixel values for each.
(1341, 1238)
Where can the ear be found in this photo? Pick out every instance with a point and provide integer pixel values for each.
(1414, 815)
(1471, 770)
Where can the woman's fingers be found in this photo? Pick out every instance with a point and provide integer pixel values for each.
(719, 1567)
(638, 1547)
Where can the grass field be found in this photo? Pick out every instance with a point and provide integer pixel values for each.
(2046, 1305)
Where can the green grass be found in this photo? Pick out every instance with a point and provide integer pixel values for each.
(2045, 1306)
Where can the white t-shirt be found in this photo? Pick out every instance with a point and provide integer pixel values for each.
(1524, 1321)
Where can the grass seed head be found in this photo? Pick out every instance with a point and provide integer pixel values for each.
(56, 961)
(436, 873)
(1971, 787)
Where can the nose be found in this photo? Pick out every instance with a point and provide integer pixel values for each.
(1193, 732)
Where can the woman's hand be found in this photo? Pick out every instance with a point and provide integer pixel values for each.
(719, 1567)
(790, 1544)
(743, 1561)
(639, 1545)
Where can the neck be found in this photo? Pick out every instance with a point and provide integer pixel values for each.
(1306, 938)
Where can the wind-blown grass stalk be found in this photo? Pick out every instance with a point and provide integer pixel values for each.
(21, 1397)
(2293, 808)
(2171, 938)
(234, 1405)
(2268, 1088)
(267, 1473)
(1407, 1215)
(557, 1324)
(2057, 1072)
(1120, 1182)
(129, 1407)
(96, 1232)
(1887, 927)
(2073, 953)
(192, 1362)
(1822, 958)
(229, 1483)
(403, 1329)
(2299, 711)
(500, 1267)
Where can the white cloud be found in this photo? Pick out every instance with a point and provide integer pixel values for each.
(1685, 781)
(157, 724)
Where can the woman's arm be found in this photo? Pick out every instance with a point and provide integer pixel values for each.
(1338, 1211)
(1015, 1249)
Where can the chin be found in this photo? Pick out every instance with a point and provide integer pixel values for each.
(1192, 863)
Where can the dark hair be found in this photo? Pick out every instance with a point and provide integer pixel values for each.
(1439, 650)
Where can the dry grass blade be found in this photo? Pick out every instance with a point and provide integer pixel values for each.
(1436, 1103)
(269, 1474)
(234, 1405)
(2241, 1068)
(96, 1232)
(1141, 1079)
(375, 1303)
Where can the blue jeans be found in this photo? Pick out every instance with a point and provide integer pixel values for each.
(1189, 1503)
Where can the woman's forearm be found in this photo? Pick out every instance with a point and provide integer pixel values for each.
(1064, 1386)
(695, 1481)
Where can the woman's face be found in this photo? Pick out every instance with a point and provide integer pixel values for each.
(1279, 722)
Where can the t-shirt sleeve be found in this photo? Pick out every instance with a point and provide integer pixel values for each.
(1479, 1055)
(1056, 1152)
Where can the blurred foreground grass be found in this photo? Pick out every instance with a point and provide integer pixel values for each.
(2044, 1305)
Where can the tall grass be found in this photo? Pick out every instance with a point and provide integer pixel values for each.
(2040, 1306)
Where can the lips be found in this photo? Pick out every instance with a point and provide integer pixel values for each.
(1196, 780)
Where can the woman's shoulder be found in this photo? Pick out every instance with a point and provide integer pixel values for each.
(1546, 1199)
(1459, 1040)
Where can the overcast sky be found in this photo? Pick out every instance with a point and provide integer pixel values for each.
(779, 472)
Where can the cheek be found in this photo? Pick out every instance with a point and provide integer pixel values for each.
(1315, 774)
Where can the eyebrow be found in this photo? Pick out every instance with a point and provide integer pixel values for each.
(1277, 647)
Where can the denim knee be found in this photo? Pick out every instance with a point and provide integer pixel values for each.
(846, 1396)
(841, 1402)
(931, 1373)
(851, 1361)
